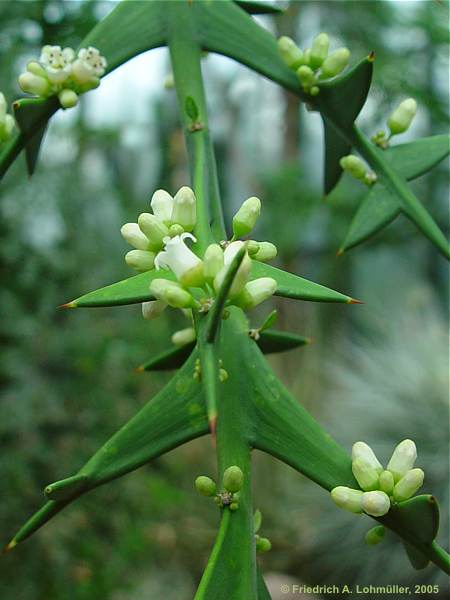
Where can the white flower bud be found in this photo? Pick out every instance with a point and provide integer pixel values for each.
(37, 69)
(141, 260)
(364, 452)
(354, 166)
(154, 229)
(408, 485)
(32, 84)
(386, 482)
(266, 251)
(6, 128)
(185, 208)
(290, 52)
(187, 266)
(132, 234)
(257, 291)
(402, 117)
(68, 98)
(241, 277)
(347, 498)
(184, 336)
(375, 503)
(335, 62)
(212, 261)
(365, 475)
(245, 218)
(306, 77)
(171, 293)
(153, 309)
(402, 459)
(162, 206)
(319, 50)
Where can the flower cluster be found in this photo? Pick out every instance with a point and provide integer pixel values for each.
(358, 169)
(232, 482)
(160, 240)
(6, 121)
(313, 64)
(380, 488)
(62, 72)
(398, 122)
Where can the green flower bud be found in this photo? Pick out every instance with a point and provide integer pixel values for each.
(175, 230)
(402, 459)
(68, 98)
(141, 260)
(223, 375)
(234, 506)
(132, 234)
(319, 50)
(364, 451)
(154, 229)
(162, 206)
(33, 84)
(184, 336)
(153, 309)
(306, 77)
(347, 498)
(375, 503)
(354, 166)
(306, 57)
(290, 52)
(386, 482)
(256, 291)
(252, 247)
(212, 261)
(315, 90)
(233, 478)
(375, 535)
(402, 117)
(335, 63)
(365, 475)
(171, 293)
(205, 486)
(262, 544)
(266, 251)
(408, 485)
(185, 208)
(245, 218)
(37, 69)
(257, 520)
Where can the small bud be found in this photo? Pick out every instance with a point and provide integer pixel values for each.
(375, 535)
(141, 260)
(257, 520)
(354, 166)
(306, 56)
(33, 84)
(402, 459)
(37, 69)
(175, 230)
(184, 336)
(245, 218)
(171, 293)
(154, 229)
(375, 503)
(319, 50)
(132, 234)
(408, 485)
(335, 63)
(205, 486)
(315, 90)
(212, 261)
(402, 117)
(234, 506)
(257, 291)
(241, 277)
(68, 98)
(365, 475)
(153, 309)
(306, 77)
(266, 252)
(347, 498)
(233, 478)
(252, 247)
(223, 375)
(162, 206)
(290, 52)
(185, 208)
(263, 544)
(386, 482)
(364, 451)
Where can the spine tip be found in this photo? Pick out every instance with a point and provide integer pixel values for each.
(9, 546)
(371, 56)
(139, 369)
(68, 305)
(355, 301)
(340, 252)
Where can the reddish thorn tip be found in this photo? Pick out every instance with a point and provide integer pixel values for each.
(371, 56)
(354, 301)
(310, 340)
(140, 369)
(68, 305)
(340, 252)
(9, 547)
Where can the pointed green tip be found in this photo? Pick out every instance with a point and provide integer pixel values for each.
(310, 340)
(68, 305)
(371, 56)
(9, 546)
(340, 252)
(139, 369)
(354, 301)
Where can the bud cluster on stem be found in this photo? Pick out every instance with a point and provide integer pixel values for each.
(399, 121)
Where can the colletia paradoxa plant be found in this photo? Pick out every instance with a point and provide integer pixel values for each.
(185, 260)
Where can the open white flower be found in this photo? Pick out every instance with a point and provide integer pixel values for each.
(57, 63)
(176, 256)
(89, 67)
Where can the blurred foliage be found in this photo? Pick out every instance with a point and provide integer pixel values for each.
(68, 379)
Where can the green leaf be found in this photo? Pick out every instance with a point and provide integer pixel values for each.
(255, 7)
(272, 341)
(263, 592)
(293, 286)
(377, 209)
(269, 321)
(128, 291)
(335, 148)
(416, 558)
(174, 416)
(173, 358)
(191, 108)
(415, 158)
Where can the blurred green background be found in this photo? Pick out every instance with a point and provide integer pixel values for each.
(377, 372)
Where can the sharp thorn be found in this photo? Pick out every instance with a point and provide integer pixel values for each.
(67, 305)
(340, 252)
(355, 301)
(9, 547)
(371, 56)
(140, 369)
